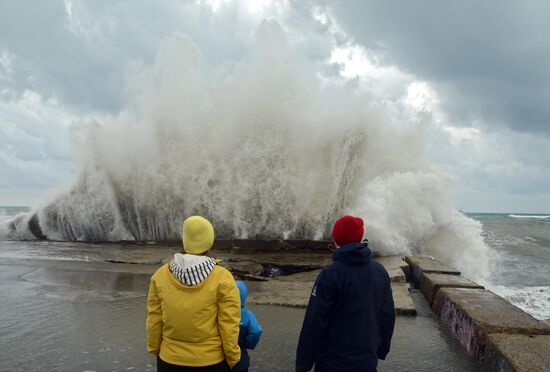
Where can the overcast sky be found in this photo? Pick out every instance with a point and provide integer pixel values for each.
(479, 72)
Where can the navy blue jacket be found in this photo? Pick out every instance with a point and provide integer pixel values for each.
(350, 316)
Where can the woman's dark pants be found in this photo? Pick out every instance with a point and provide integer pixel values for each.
(162, 366)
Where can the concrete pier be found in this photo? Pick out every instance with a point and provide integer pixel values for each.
(78, 306)
(474, 314)
(495, 334)
(430, 283)
(508, 353)
(500, 336)
(419, 265)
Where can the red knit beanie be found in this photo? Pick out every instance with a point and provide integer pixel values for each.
(348, 229)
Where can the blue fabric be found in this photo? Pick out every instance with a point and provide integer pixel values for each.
(350, 317)
(243, 291)
(250, 330)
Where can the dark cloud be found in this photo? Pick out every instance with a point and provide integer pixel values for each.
(487, 59)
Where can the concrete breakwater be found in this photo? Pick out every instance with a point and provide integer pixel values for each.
(498, 335)
(73, 306)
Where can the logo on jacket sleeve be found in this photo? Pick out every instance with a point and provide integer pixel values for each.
(314, 291)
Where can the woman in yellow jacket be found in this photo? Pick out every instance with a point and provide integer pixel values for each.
(193, 308)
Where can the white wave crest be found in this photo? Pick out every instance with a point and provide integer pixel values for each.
(535, 216)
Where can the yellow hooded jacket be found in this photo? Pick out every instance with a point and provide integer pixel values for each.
(194, 325)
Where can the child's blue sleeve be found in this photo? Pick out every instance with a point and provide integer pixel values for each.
(254, 331)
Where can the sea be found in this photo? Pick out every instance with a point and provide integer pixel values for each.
(519, 256)
(519, 259)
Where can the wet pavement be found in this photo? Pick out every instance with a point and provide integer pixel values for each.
(86, 314)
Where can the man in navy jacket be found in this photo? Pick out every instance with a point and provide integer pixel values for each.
(350, 317)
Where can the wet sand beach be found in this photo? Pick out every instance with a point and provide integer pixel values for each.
(65, 309)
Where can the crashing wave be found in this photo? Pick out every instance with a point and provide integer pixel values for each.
(266, 150)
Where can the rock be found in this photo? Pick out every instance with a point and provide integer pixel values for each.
(473, 314)
(35, 229)
(430, 283)
(517, 353)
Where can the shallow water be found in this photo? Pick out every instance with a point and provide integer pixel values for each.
(47, 328)
(60, 315)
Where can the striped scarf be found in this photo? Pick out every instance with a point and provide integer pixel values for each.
(191, 269)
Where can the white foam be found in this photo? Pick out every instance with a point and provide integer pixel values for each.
(533, 300)
(20, 223)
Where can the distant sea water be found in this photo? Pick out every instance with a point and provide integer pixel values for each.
(519, 246)
(519, 251)
(10, 211)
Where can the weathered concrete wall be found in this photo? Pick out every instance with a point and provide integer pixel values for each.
(515, 353)
(419, 265)
(473, 314)
(496, 333)
(430, 283)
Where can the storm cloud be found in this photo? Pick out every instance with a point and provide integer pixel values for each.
(475, 75)
(487, 59)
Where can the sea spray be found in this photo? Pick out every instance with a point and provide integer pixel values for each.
(266, 149)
